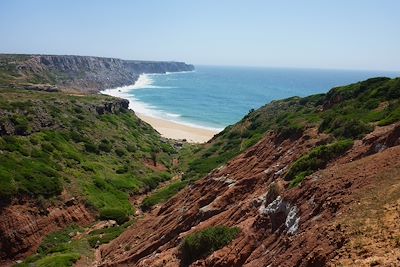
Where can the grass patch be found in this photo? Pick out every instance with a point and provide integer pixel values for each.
(61, 249)
(162, 195)
(103, 236)
(201, 244)
(316, 159)
(58, 260)
(114, 214)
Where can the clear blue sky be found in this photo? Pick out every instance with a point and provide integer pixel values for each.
(344, 34)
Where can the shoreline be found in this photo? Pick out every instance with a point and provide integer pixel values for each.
(173, 130)
(167, 128)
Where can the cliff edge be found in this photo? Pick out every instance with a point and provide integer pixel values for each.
(82, 74)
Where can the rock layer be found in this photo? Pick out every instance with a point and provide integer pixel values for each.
(292, 227)
(23, 225)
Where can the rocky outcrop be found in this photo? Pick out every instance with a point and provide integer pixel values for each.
(112, 106)
(302, 226)
(81, 73)
(24, 225)
(41, 118)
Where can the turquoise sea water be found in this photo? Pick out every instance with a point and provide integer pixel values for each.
(215, 97)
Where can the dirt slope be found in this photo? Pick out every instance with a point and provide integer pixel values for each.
(312, 225)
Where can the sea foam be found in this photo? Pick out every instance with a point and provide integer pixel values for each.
(145, 81)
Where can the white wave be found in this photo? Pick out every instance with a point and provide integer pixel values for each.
(180, 72)
(145, 81)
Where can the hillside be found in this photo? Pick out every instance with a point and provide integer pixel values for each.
(300, 182)
(80, 74)
(347, 112)
(69, 160)
(307, 181)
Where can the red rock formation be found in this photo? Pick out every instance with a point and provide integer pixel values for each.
(279, 226)
(23, 226)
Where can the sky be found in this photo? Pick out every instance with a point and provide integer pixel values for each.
(340, 34)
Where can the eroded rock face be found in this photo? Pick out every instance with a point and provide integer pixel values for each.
(112, 107)
(279, 226)
(24, 225)
(282, 213)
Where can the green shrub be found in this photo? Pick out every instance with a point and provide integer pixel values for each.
(203, 243)
(162, 195)
(58, 260)
(88, 168)
(342, 127)
(77, 137)
(28, 176)
(120, 152)
(106, 147)
(122, 169)
(152, 181)
(114, 214)
(47, 147)
(392, 117)
(290, 131)
(55, 242)
(91, 148)
(316, 159)
(7, 186)
(131, 148)
(20, 125)
(103, 236)
(200, 167)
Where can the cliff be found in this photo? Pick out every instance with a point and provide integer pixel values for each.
(77, 73)
(330, 220)
(69, 160)
(308, 181)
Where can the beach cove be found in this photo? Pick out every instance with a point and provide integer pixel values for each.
(195, 105)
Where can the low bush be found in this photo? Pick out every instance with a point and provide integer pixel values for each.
(120, 152)
(103, 236)
(290, 131)
(162, 195)
(106, 147)
(316, 159)
(203, 243)
(55, 242)
(200, 167)
(122, 169)
(114, 214)
(392, 117)
(34, 177)
(91, 148)
(65, 259)
(342, 127)
(152, 181)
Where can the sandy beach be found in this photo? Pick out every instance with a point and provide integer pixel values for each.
(174, 130)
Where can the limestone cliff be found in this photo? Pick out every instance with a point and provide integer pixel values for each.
(77, 73)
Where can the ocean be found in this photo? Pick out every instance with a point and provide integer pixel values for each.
(214, 97)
